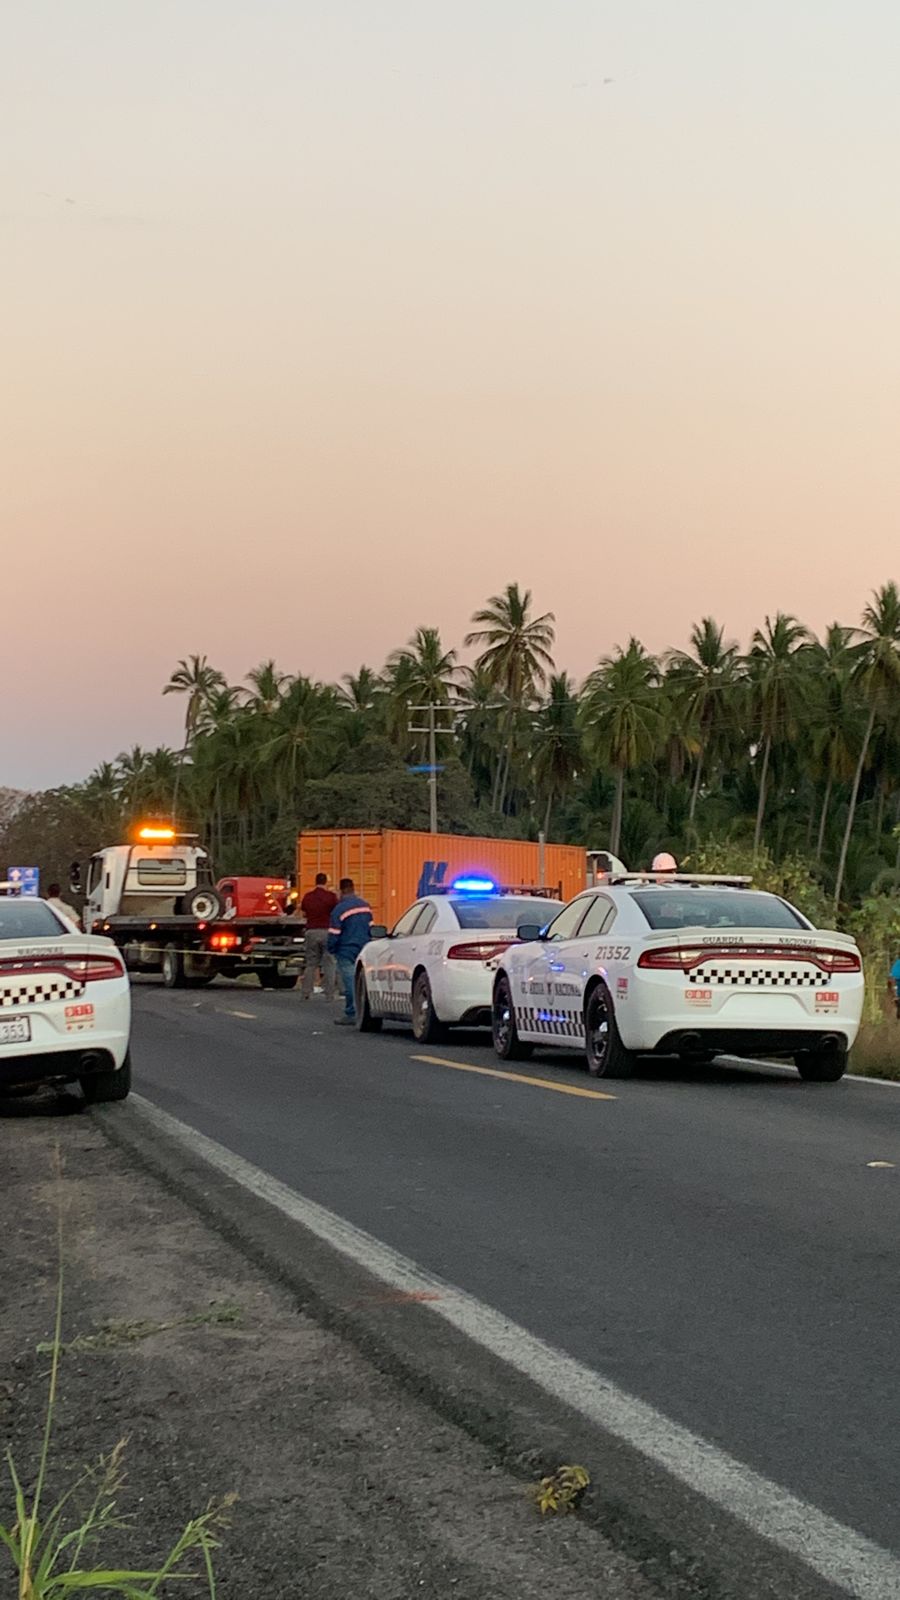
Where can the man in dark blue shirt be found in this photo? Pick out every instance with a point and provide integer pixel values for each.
(349, 930)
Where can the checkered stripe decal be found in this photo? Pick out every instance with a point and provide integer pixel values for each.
(388, 1002)
(758, 977)
(41, 992)
(531, 1019)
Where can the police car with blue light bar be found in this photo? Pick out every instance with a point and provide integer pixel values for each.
(679, 965)
(435, 969)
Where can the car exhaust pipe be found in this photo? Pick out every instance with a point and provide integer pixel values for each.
(830, 1042)
(91, 1061)
(689, 1042)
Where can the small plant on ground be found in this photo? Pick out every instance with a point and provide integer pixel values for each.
(52, 1551)
(561, 1491)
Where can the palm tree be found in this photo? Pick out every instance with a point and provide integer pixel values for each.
(775, 693)
(516, 659)
(103, 793)
(623, 716)
(704, 681)
(267, 686)
(218, 708)
(421, 675)
(196, 679)
(833, 717)
(557, 742)
(131, 769)
(360, 691)
(876, 676)
(303, 736)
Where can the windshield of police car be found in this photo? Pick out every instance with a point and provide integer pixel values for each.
(503, 911)
(716, 908)
(28, 919)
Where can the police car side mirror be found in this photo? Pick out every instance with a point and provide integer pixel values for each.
(528, 932)
(378, 932)
(75, 877)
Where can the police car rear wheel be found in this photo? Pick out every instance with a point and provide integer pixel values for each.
(365, 1021)
(426, 1024)
(822, 1066)
(606, 1054)
(508, 1045)
(101, 1087)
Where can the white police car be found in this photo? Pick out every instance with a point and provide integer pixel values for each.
(65, 1004)
(436, 967)
(681, 965)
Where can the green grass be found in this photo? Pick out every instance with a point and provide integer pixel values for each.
(56, 1553)
(876, 1053)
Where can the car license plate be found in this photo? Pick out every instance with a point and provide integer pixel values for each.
(16, 1031)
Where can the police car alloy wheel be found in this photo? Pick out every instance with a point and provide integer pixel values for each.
(508, 1045)
(426, 1025)
(606, 1054)
(365, 1021)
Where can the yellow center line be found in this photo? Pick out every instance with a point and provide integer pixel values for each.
(516, 1077)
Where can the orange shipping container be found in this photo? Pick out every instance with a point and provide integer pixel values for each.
(391, 868)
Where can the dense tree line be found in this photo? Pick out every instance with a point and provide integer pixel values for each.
(790, 749)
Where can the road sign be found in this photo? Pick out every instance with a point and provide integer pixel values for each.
(26, 878)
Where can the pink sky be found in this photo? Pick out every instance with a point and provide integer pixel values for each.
(324, 322)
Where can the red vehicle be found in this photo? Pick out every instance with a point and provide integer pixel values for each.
(256, 897)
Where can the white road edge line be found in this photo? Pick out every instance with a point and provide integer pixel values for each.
(838, 1554)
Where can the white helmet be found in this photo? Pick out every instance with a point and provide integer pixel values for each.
(664, 863)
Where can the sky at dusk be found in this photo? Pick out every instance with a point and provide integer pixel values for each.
(324, 321)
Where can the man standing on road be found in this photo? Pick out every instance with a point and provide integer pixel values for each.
(317, 907)
(351, 922)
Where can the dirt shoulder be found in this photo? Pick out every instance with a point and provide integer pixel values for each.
(347, 1483)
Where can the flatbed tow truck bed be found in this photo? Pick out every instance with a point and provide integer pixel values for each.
(187, 951)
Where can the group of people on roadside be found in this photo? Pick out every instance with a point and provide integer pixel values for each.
(337, 927)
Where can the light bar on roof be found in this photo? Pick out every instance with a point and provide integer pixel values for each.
(474, 886)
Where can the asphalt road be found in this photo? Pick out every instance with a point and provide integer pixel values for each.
(717, 1243)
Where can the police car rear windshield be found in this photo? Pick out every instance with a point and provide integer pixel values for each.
(502, 911)
(716, 908)
(28, 919)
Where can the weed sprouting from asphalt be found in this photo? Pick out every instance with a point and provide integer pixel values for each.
(48, 1550)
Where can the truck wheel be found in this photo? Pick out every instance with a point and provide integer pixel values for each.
(365, 1021)
(426, 1024)
(271, 978)
(101, 1087)
(507, 1043)
(822, 1066)
(606, 1054)
(205, 904)
(172, 968)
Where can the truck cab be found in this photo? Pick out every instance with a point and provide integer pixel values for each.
(159, 875)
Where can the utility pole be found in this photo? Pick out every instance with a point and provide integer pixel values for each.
(432, 768)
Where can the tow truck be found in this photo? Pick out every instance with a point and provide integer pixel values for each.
(156, 898)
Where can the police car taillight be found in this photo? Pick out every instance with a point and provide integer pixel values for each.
(80, 969)
(671, 958)
(485, 950)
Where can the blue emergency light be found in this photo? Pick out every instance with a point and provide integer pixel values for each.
(474, 886)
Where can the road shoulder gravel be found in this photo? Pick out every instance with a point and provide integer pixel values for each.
(347, 1480)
